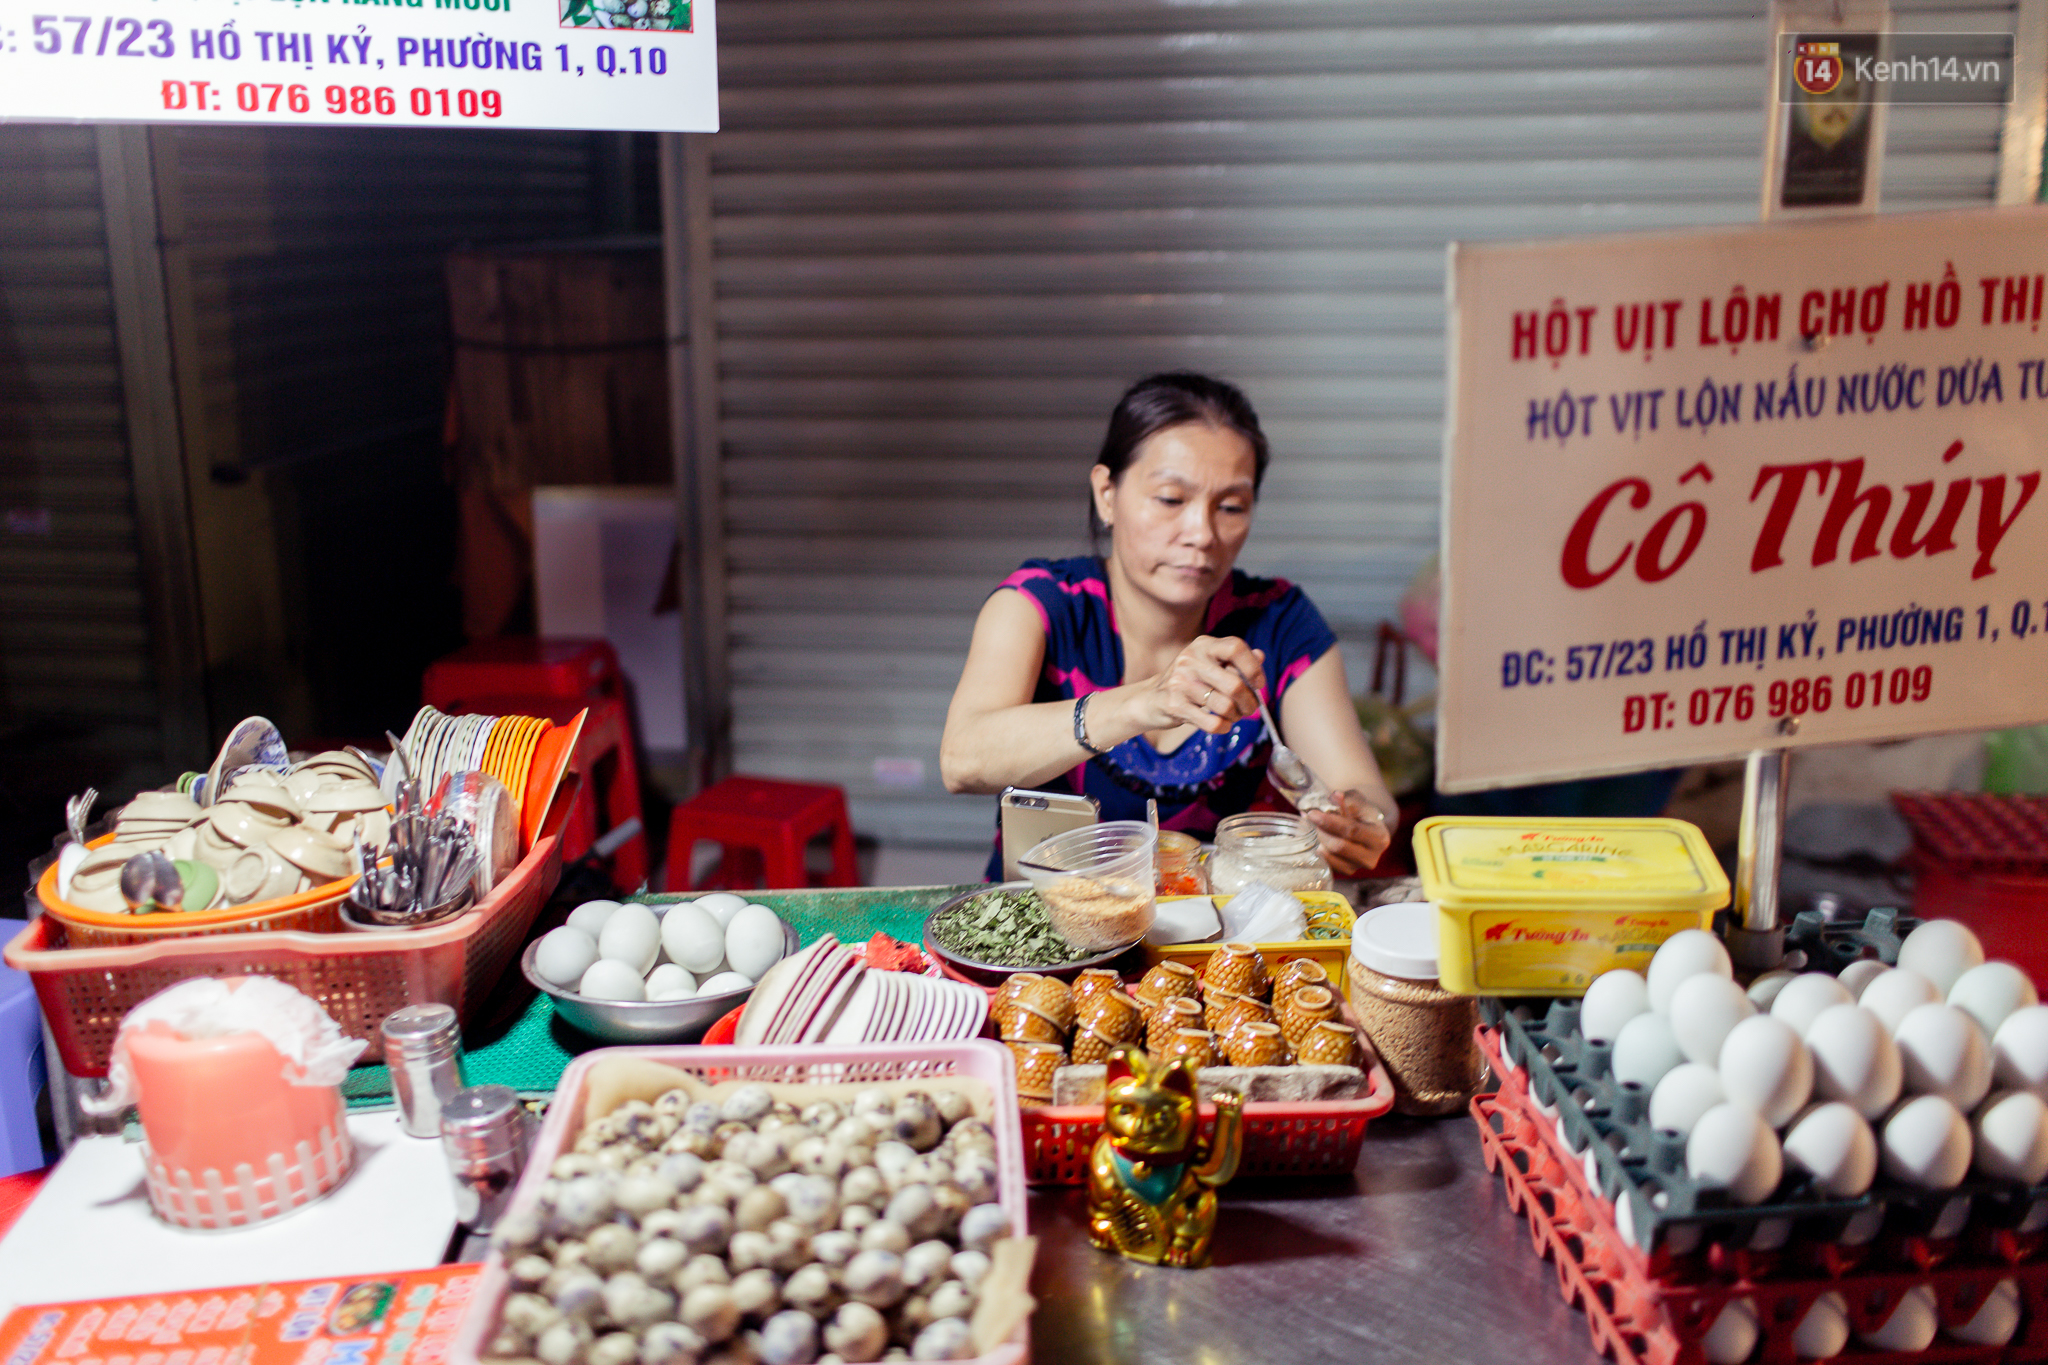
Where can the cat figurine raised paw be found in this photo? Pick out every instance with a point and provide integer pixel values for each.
(1152, 1180)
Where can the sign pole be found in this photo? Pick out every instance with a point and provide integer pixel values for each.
(1756, 934)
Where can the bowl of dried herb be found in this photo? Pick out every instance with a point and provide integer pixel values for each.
(994, 931)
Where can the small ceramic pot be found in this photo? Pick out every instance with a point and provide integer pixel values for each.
(1330, 1043)
(1306, 1008)
(1302, 971)
(1237, 968)
(1023, 1024)
(1092, 1048)
(260, 874)
(1197, 1045)
(1169, 1019)
(1036, 1063)
(1012, 989)
(1092, 982)
(1050, 998)
(1256, 1044)
(1241, 1009)
(1167, 981)
(1115, 1016)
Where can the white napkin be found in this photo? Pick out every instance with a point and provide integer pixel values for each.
(315, 1050)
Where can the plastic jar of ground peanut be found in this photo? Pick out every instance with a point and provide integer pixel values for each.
(1421, 1031)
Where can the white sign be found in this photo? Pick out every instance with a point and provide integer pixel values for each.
(1763, 487)
(601, 64)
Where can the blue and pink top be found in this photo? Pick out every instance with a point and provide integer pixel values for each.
(1208, 776)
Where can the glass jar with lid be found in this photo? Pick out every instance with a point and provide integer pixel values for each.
(1267, 846)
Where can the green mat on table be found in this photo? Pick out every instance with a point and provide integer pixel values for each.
(531, 1055)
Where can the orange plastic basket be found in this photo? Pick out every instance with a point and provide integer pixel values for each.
(317, 911)
(357, 978)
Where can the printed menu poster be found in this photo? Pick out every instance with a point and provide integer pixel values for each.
(406, 1318)
(639, 65)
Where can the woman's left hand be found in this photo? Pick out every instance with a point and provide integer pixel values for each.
(1353, 840)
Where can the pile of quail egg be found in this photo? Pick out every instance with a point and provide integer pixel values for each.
(642, 14)
(689, 1233)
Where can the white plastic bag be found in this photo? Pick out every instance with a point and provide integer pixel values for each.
(315, 1050)
(1261, 914)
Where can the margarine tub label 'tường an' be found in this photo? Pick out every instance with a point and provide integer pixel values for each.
(1541, 907)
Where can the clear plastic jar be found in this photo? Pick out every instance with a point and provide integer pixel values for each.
(1421, 1031)
(1266, 846)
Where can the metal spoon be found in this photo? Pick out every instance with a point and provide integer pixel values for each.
(1294, 779)
(149, 880)
(77, 811)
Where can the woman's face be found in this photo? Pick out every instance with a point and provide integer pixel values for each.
(1181, 511)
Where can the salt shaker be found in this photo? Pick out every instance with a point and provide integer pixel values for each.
(422, 1047)
(484, 1136)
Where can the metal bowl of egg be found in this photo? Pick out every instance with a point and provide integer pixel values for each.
(642, 1021)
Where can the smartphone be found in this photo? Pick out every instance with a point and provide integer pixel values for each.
(1029, 818)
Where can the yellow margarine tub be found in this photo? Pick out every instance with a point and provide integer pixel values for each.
(1541, 907)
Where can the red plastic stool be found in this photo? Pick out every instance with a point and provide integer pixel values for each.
(772, 820)
(604, 755)
(522, 666)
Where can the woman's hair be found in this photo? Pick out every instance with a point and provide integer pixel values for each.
(1174, 399)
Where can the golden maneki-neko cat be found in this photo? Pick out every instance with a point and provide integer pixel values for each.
(1152, 1181)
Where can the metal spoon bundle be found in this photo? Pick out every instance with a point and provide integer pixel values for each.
(428, 871)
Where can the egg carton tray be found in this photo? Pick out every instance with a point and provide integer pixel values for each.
(1636, 1318)
(1601, 1128)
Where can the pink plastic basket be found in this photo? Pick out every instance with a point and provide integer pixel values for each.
(981, 1060)
(358, 978)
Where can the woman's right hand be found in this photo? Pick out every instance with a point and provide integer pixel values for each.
(1208, 685)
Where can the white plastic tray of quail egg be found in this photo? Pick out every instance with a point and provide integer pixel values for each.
(1925, 1070)
(713, 945)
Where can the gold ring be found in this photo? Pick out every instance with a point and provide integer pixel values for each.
(1204, 703)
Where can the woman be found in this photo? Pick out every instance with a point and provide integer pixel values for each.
(1138, 674)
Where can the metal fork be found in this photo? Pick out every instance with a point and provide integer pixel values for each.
(78, 811)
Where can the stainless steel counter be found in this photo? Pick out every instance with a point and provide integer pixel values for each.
(1414, 1257)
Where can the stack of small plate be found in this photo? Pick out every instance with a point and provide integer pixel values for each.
(827, 994)
(508, 748)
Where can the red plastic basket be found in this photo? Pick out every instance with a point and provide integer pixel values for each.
(358, 978)
(1636, 1317)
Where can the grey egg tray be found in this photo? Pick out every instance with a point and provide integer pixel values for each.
(1646, 1167)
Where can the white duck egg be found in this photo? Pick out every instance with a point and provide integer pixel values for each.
(1805, 996)
(753, 941)
(1687, 953)
(631, 935)
(1832, 1143)
(1911, 1325)
(724, 982)
(693, 938)
(1733, 1336)
(1991, 993)
(1926, 1143)
(591, 915)
(1855, 1060)
(2019, 1050)
(670, 982)
(564, 955)
(1763, 992)
(1941, 950)
(1896, 994)
(1645, 1049)
(1860, 973)
(1824, 1331)
(2011, 1128)
(1945, 1054)
(1994, 1323)
(1731, 1149)
(1765, 1067)
(1612, 1000)
(610, 979)
(1685, 1093)
(1704, 1009)
(721, 906)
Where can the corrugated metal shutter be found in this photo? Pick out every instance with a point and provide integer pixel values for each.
(75, 671)
(311, 323)
(947, 235)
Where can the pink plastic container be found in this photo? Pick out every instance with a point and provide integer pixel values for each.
(227, 1140)
(983, 1061)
